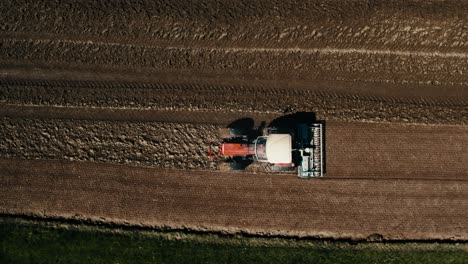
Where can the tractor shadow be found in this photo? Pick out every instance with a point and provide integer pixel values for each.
(287, 123)
(282, 124)
(244, 126)
(243, 123)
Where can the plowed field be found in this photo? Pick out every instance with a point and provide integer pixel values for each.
(260, 204)
(107, 110)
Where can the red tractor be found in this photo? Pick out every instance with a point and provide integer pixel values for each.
(301, 148)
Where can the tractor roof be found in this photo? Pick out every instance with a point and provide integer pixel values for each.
(279, 148)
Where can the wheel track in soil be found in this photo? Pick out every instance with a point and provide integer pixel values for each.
(252, 48)
(402, 25)
(268, 91)
(250, 63)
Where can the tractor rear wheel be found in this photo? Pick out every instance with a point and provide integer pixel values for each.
(237, 166)
(232, 166)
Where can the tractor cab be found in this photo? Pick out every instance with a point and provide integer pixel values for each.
(275, 148)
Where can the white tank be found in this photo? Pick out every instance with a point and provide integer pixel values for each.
(279, 148)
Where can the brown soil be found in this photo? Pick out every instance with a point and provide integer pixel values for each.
(329, 100)
(354, 150)
(403, 42)
(149, 83)
(270, 64)
(431, 25)
(260, 204)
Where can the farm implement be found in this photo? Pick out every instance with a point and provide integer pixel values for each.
(299, 148)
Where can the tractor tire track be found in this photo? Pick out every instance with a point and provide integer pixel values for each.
(269, 64)
(396, 25)
(306, 92)
(329, 105)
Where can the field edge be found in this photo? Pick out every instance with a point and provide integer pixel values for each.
(221, 238)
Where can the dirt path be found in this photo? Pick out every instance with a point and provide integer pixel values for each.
(258, 204)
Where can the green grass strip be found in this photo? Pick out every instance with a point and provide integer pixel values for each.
(27, 241)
